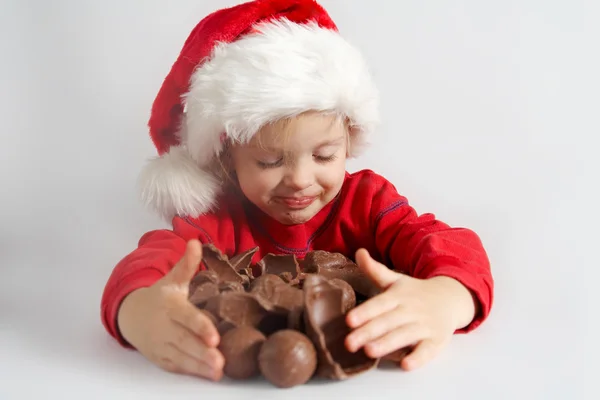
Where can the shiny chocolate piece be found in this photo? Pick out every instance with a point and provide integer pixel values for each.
(295, 281)
(272, 288)
(243, 260)
(247, 272)
(287, 359)
(349, 297)
(276, 291)
(201, 277)
(203, 293)
(325, 322)
(239, 308)
(266, 282)
(290, 279)
(246, 279)
(231, 287)
(336, 265)
(240, 347)
(296, 319)
(258, 269)
(224, 326)
(316, 259)
(278, 264)
(287, 277)
(247, 309)
(219, 263)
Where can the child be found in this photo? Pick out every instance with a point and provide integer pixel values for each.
(253, 126)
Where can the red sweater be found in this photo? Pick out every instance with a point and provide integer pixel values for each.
(368, 212)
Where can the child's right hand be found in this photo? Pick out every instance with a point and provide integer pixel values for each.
(167, 329)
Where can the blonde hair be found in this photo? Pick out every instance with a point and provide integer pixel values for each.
(278, 131)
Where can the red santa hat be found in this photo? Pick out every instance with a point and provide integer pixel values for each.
(239, 69)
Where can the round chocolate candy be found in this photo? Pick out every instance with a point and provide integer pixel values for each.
(287, 358)
(240, 347)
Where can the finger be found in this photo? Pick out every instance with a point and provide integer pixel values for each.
(187, 267)
(193, 346)
(196, 322)
(372, 308)
(399, 354)
(400, 337)
(380, 274)
(425, 351)
(377, 327)
(179, 361)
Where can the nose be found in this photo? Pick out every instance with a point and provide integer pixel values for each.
(299, 176)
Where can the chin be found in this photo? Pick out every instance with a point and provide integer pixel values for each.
(295, 217)
(294, 220)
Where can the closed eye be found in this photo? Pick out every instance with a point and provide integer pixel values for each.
(325, 159)
(275, 164)
(266, 165)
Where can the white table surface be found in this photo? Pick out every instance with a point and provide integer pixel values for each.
(489, 122)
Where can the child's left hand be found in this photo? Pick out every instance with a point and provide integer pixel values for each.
(423, 313)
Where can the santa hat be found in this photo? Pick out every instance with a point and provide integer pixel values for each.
(239, 69)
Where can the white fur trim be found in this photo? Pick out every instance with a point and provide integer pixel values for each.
(173, 184)
(282, 70)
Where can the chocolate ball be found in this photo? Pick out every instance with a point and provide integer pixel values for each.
(287, 358)
(240, 347)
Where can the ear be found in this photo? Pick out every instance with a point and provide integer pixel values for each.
(224, 165)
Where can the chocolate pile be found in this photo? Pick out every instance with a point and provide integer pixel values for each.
(283, 318)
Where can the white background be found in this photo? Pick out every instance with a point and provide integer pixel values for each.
(490, 113)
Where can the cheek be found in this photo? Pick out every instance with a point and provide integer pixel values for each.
(248, 175)
(332, 175)
(256, 182)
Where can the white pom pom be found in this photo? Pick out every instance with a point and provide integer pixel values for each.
(173, 184)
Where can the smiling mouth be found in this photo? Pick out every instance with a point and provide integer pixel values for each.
(296, 202)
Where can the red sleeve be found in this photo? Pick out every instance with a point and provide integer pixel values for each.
(157, 252)
(424, 247)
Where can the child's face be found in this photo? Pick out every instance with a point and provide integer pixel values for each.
(292, 177)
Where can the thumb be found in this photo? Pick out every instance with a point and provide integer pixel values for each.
(183, 272)
(380, 274)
